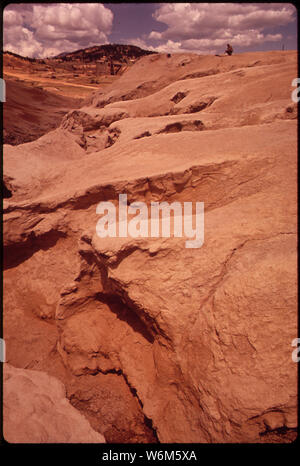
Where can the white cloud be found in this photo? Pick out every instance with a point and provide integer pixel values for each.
(12, 18)
(171, 47)
(138, 42)
(48, 29)
(44, 30)
(21, 40)
(155, 35)
(191, 26)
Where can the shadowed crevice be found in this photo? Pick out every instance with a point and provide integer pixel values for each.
(127, 315)
(6, 193)
(15, 254)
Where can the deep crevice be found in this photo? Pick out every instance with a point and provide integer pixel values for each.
(148, 421)
(178, 97)
(126, 314)
(279, 431)
(15, 254)
(6, 193)
(199, 106)
(112, 137)
(178, 126)
(143, 135)
(133, 391)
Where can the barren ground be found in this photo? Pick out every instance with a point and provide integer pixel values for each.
(152, 341)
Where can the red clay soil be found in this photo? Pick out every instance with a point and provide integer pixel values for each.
(30, 112)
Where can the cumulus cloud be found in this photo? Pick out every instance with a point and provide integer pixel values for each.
(208, 26)
(40, 30)
(12, 18)
(48, 29)
(138, 42)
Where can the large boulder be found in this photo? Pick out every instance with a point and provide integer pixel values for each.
(35, 410)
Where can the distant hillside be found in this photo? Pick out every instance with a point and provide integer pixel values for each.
(117, 52)
(16, 55)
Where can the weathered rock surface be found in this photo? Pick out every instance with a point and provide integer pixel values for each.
(195, 343)
(35, 410)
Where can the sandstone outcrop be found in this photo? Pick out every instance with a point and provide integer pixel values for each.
(194, 343)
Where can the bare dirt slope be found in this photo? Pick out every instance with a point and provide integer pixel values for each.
(154, 341)
(30, 112)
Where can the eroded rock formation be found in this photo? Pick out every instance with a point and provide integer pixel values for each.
(154, 341)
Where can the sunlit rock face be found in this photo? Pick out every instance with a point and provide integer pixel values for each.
(154, 341)
(36, 410)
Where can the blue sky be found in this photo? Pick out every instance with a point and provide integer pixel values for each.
(129, 17)
(47, 29)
